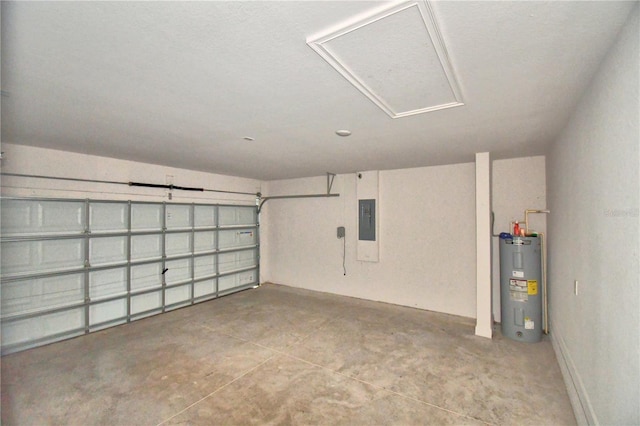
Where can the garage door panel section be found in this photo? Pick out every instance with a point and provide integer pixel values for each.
(178, 296)
(178, 216)
(24, 257)
(108, 217)
(233, 261)
(70, 267)
(145, 247)
(108, 312)
(204, 241)
(205, 216)
(205, 289)
(147, 302)
(205, 266)
(107, 283)
(236, 238)
(42, 217)
(235, 216)
(178, 271)
(35, 331)
(146, 276)
(237, 281)
(108, 250)
(178, 243)
(40, 294)
(146, 217)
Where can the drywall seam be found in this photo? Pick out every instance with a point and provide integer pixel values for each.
(582, 408)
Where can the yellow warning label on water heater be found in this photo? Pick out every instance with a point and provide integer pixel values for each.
(532, 286)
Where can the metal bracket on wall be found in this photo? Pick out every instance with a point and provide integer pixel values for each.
(330, 177)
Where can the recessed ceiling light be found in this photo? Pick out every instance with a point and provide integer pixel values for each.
(248, 138)
(343, 133)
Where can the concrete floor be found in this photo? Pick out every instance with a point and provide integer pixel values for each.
(278, 355)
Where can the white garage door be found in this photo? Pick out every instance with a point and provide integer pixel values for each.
(70, 267)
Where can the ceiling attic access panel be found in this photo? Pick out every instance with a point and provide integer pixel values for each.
(396, 57)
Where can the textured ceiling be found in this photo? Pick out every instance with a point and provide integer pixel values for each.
(181, 83)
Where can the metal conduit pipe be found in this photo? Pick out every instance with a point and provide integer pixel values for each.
(544, 282)
(543, 247)
(526, 217)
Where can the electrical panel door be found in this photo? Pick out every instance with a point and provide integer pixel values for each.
(367, 220)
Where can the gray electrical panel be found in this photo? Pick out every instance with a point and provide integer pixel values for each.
(367, 220)
(521, 288)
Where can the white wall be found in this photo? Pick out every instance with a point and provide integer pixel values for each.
(593, 191)
(427, 238)
(427, 233)
(424, 261)
(517, 184)
(38, 161)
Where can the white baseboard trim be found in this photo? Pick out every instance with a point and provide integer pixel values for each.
(484, 331)
(582, 408)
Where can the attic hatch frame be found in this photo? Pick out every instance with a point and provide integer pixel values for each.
(321, 44)
(330, 178)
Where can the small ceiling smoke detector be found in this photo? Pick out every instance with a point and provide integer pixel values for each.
(343, 133)
(248, 138)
